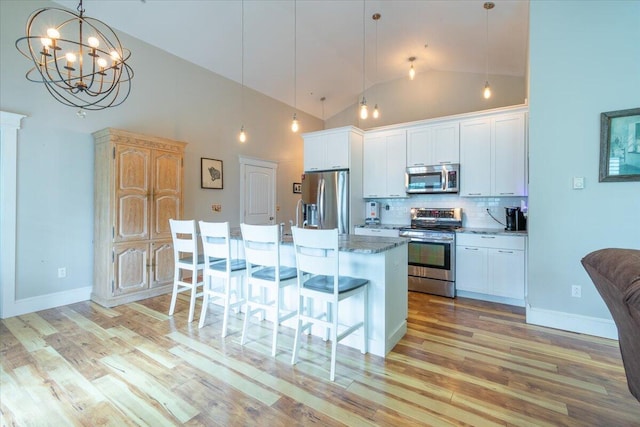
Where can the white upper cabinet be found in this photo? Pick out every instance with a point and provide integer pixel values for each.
(384, 164)
(475, 157)
(509, 156)
(327, 150)
(433, 144)
(493, 156)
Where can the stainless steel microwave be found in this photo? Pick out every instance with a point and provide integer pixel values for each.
(433, 179)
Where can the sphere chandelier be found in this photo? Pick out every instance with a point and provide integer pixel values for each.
(80, 60)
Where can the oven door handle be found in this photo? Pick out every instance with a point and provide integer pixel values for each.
(443, 240)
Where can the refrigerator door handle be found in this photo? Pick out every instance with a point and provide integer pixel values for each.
(321, 202)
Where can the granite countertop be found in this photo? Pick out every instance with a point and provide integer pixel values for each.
(383, 226)
(494, 231)
(347, 242)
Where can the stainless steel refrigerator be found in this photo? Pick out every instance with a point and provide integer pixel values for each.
(325, 198)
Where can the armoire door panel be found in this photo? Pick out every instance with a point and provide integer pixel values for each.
(162, 264)
(130, 268)
(168, 174)
(132, 217)
(132, 164)
(165, 208)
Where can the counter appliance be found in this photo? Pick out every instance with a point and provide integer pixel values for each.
(372, 213)
(432, 250)
(515, 218)
(325, 200)
(443, 178)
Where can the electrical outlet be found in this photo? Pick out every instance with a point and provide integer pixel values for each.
(216, 208)
(576, 291)
(62, 272)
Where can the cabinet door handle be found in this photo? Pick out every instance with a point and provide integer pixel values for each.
(507, 194)
(474, 194)
(394, 195)
(505, 252)
(471, 249)
(444, 162)
(487, 237)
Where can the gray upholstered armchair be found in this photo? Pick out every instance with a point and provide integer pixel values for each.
(616, 275)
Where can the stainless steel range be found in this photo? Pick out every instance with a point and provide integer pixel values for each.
(432, 250)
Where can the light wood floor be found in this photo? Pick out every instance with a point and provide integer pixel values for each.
(462, 362)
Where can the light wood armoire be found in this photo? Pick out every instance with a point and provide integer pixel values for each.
(138, 188)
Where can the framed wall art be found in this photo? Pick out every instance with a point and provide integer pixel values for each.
(297, 188)
(211, 173)
(620, 145)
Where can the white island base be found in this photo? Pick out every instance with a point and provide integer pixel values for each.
(381, 260)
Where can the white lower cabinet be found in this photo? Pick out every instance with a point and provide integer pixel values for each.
(490, 264)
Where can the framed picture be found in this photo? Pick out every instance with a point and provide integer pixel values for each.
(620, 145)
(297, 188)
(211, 173)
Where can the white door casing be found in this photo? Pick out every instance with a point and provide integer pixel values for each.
(257, 191)
(10, 124)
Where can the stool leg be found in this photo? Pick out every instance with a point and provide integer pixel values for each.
(365, 337)
(227, 303)
(205, 301)
(334, 343)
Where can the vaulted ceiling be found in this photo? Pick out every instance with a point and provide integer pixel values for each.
(443, 35)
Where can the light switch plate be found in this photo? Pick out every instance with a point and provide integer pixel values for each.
(578, 182)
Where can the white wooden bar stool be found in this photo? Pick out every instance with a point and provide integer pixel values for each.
(265, 277)
(317, 259)
(220, 271)
(187, 262)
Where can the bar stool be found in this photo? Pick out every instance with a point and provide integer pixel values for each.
(317, 259)
(220, 271)
(186, 260)
(266, 276)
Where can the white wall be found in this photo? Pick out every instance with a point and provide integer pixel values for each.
(584, 60)
(170, 98)
(432, 94)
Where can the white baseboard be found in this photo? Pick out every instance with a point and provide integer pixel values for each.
(595, 326)
(45, 302)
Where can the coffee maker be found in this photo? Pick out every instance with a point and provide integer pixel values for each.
(372, 213)
(516, 220)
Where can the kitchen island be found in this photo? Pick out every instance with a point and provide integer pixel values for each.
(382, 261)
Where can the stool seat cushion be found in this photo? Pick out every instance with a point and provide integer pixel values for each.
(269, 273)
(325, 283)
(236, 265)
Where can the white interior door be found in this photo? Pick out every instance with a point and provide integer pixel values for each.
(258, 191)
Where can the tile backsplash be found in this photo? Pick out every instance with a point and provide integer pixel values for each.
(474, 209)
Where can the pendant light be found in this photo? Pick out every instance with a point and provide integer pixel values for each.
(364, 111)
(412, 71)
(487, 88)
(295, 126)
(376, 17)
(242, 137)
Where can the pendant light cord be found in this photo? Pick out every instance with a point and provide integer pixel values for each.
(487, 46)
(295, 54)
(363, 46)
(242, 61)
